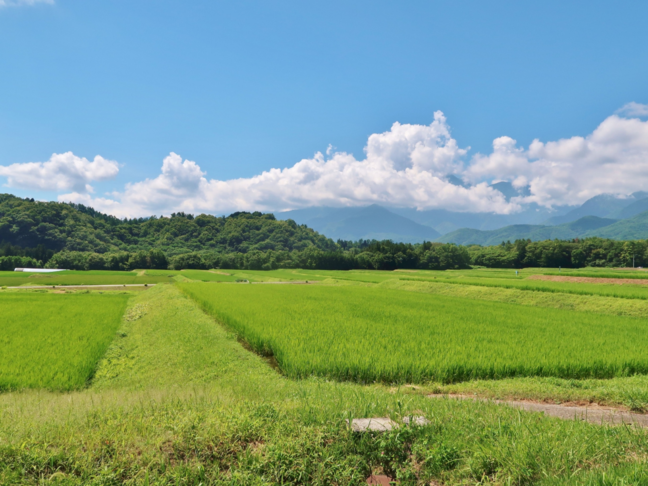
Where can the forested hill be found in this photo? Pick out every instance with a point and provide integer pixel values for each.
(62, 226)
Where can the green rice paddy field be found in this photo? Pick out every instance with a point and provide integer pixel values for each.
(72, 277)
(366, 334)
(222, 377)
(54, 341)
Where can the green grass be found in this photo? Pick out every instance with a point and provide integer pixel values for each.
(582, 303)
(630, 392)
(609, 290)
(167, 341)
(629, 274)
(215, 275)
(206, 276)
(244, 424)
(97, 277)
(108, 273)
(55, 341)
(367, 334)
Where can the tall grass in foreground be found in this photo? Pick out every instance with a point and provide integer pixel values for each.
(367, 334)
(55, 341)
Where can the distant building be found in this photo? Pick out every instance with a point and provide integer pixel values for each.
(40, 270)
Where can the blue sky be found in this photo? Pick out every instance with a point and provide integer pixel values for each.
(244, 87)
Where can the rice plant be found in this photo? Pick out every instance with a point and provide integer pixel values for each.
(55, 341)
(624, 291)
(97, 277)
(373, 334)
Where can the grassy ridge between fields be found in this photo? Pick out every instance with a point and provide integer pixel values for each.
(583, 303)
(372, 334)
(240, 423)
(608, 290)
(55, 341)
(15, 279)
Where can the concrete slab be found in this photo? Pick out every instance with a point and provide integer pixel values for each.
(416, 420)
(383, 424)
(377, 424)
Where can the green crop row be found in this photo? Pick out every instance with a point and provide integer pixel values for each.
(55, 341)
(629, 274)
(77, 278)
(372, 334)
(607, 290)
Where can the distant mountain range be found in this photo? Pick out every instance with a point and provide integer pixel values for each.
(605, 206)
(567, 231)
(367, 223)
(604, 215)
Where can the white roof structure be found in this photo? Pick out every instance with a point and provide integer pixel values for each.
(40, 270)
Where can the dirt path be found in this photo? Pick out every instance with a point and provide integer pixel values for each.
(595, 414)
(615, 281)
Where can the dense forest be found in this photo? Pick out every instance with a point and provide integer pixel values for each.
(73, 227)
(577, 253)
(61, 235)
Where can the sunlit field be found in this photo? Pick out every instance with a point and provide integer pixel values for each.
(366, 335)
(55, 341)
(224, 377)
(78, 277)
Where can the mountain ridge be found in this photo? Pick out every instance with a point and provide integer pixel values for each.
(362, 223)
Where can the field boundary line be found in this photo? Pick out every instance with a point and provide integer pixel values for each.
(80, 286)
(593, 415)
(295, 282)
(592, 280)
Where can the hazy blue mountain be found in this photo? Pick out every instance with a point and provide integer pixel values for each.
(509, 191)
(348, 223)
(603, 206)
(445, 221)
(456, 181)
(632, 210)
(370, 222)
(566, 231)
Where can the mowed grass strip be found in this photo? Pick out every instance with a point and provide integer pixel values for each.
(55, 341)
(97, 277)
(608, 290)
(597, 304)
(371, 334)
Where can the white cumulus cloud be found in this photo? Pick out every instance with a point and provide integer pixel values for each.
(612, 159)
(408, 166)
(62, 172)
(633, 109)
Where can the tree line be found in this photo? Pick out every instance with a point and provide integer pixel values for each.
(577, 253)
(383, 255)
(62, 235)
(370, 255)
